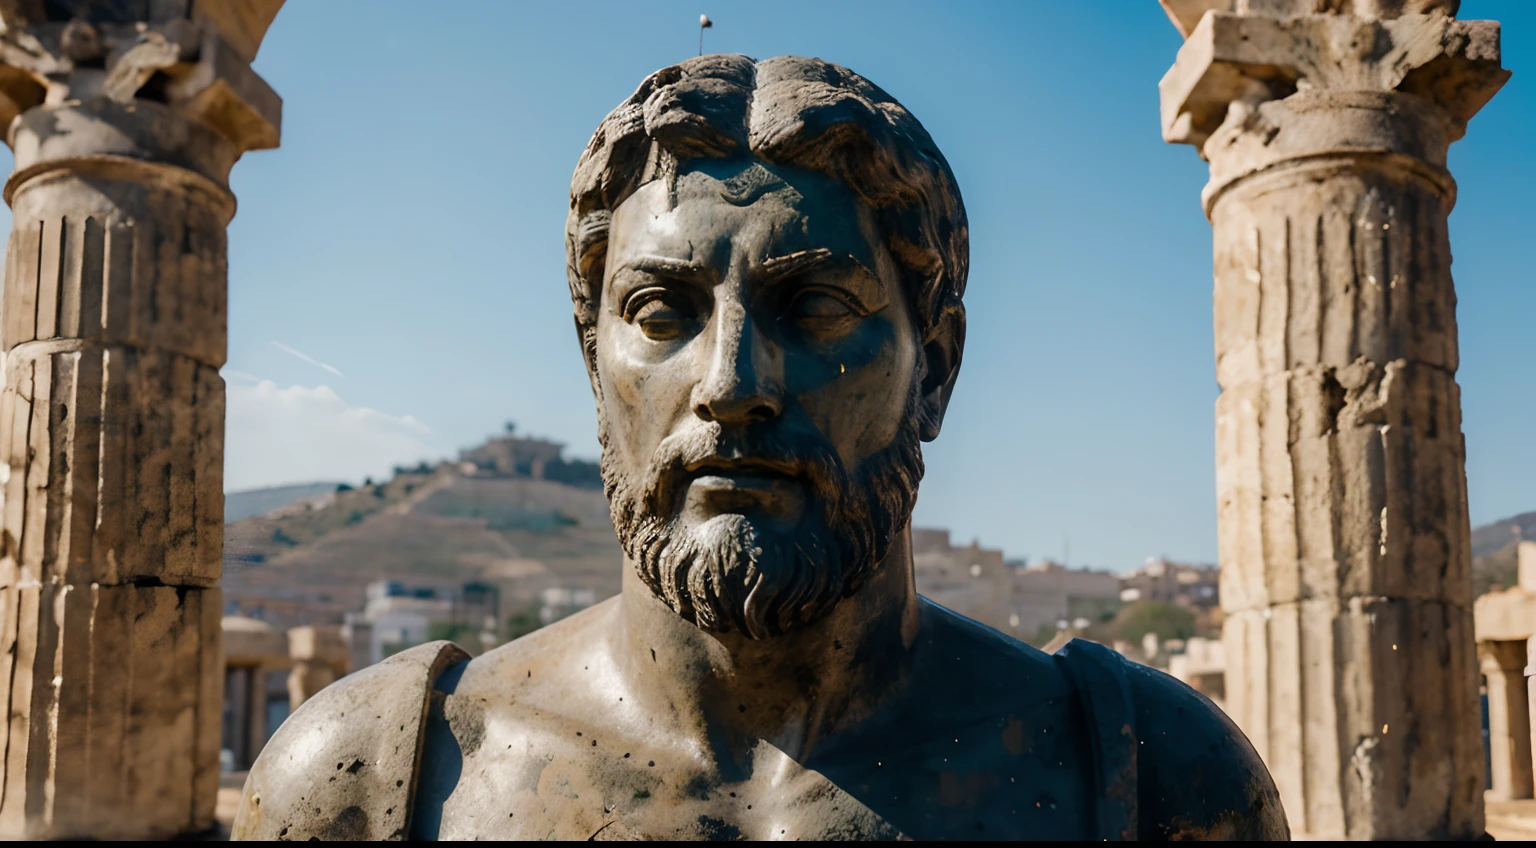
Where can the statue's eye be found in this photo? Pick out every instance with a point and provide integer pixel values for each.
(821, 314)
(663, 318)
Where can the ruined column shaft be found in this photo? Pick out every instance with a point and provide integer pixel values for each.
(1341, 488)
(113, 329)
(112, 423)
(1341, 492)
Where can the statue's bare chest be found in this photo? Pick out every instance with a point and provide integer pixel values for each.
(520, 775)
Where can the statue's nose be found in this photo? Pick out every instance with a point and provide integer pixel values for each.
(745, 379)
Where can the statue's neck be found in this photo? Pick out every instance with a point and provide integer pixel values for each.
(793, 691)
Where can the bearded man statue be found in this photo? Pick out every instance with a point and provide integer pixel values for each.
(767, 262)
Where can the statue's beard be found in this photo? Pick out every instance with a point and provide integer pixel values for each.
(728, 573)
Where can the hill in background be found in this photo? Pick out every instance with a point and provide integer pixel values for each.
(252, 502)
(305, 554)
(1493, 551)
(487, 518)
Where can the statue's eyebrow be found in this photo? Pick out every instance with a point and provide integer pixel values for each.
(802, 261)
(682, 269)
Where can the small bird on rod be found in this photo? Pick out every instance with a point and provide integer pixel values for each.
(704, 23)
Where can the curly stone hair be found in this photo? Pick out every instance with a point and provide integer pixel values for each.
(787, 110)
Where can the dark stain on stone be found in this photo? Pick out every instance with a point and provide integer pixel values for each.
(350, 823)
(716, 830)
(698, 787)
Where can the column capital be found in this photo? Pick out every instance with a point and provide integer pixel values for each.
(151, 89)
(1230, 58)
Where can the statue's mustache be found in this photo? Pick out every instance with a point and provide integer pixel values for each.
(804, 456)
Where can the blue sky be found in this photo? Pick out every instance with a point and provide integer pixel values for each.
(397, 283)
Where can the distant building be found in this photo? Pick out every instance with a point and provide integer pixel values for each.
(398, 614)
(973, 581)
(1202, 665)
(1195, 586)
(268, 673)
(1005, 595)
(1048, 593)
(510, 455)
(557, 602)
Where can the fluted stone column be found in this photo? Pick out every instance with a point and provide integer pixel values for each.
(1341, 488)
(113, 328)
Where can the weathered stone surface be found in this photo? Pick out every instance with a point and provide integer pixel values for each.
(111, 710)
(112, 327)
(341, 778)
(1401, 685)
(1341, 487)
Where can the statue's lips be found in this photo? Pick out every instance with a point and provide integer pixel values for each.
(747, 471)
(732, 485)
(737, 481)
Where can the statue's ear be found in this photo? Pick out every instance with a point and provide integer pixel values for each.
(941, 350)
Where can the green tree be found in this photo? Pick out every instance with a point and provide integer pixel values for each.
(520, 624)
(1168, 621)
(1043, 635)
(452, 631)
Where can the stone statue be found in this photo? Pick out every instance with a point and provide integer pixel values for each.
(767, 261)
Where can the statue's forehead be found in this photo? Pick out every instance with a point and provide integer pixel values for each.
(708, 198)
(744, 184)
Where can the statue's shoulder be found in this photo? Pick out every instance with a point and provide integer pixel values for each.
(344, 765)
(1199, 776)
(1171, 764)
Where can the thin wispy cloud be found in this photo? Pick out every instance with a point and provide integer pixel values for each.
(299, 354)
(276, 435)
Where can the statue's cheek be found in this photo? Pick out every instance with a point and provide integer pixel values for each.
(857, 396)
(645, 394)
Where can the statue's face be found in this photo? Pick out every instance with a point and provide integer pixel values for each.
(758, 372)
